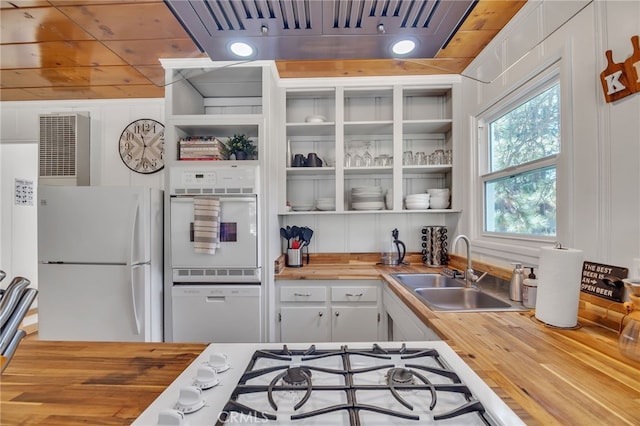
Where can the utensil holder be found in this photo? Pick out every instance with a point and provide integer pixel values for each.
(294, 258)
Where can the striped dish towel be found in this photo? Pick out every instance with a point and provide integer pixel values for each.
(206, 224)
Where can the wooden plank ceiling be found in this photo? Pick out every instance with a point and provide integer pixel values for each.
(109, 49)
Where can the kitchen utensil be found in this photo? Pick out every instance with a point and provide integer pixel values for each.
(307, 233)
(284, 234)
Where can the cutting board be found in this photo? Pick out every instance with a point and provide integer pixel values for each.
(632, 66)
(614, 80)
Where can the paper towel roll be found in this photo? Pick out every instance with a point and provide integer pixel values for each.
(559, 286)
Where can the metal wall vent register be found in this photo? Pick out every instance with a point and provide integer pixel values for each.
(63, 149)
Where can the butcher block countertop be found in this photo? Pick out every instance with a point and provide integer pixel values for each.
(547, 376)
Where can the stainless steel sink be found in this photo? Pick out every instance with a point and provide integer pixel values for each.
(414, 281)
(441, 293)
(461, 299)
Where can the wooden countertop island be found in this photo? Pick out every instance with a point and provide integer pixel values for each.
(547, 376)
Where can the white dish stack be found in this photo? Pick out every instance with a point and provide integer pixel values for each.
(367, 198)
(417, 201)
(326, 204)
(439, 198)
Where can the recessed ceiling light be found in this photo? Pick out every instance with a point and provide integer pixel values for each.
(242, 49)
(403, 47)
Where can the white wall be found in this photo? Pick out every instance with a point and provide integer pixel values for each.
(19, 159)
(18, 235)
(603, 190)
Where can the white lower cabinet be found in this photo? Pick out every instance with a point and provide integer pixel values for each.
(355, 323)
(304, 324)
(330, 311)
(402, 324)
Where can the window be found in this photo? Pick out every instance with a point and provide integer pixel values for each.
(522, 143)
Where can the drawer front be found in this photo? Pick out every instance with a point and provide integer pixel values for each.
(303, 294)
(354, 294)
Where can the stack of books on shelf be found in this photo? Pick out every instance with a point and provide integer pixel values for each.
(200, 148)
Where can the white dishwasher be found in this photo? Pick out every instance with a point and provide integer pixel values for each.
(216, 313)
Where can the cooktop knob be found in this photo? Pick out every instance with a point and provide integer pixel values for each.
(190, 399)
(206, 378)
(171, 417)
(219, 362)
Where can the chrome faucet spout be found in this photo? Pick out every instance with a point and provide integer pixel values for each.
(469, 276)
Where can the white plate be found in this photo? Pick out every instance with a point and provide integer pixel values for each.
(315, 119)
(368, 206)
(302, 208)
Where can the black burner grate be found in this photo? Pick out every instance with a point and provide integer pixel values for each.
(295, 377)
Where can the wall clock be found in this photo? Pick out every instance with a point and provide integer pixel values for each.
(142, 146)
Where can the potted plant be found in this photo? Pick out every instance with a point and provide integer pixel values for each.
(240, 146)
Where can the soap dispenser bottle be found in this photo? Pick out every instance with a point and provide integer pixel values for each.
(517, 279)
(530, 289)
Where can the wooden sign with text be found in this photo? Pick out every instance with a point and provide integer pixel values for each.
(621, 79)
(603, 280)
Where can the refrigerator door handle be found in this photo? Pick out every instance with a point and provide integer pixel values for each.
(133, 297)
(133, 229)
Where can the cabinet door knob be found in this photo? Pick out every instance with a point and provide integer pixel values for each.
(320, 313)
(337, 313)
(355, 295)
(302, 294)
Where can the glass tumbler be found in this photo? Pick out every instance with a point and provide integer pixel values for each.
(439, 156)
(407, 158)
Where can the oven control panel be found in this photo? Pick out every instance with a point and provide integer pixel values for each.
(213, 179)
(192, 178)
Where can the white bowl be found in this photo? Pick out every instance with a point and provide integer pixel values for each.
(315, 119)
(438, 191)
(439, 203)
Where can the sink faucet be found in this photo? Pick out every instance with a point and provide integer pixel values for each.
(469, 276)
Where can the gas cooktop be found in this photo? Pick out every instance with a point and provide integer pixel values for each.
(328, 384)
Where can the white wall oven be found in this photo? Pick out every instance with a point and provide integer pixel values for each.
(236, 258)
(215, 259)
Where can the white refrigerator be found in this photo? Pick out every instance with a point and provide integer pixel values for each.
(100, 263)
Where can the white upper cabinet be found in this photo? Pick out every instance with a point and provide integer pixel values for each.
(394, 137)
(206, 100)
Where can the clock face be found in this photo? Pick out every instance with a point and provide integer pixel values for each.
(142, 146)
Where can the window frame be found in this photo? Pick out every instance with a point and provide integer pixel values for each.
(523, 247)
